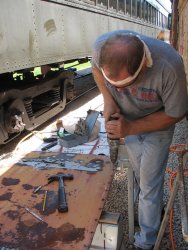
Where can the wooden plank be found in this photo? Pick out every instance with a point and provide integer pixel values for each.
(74, 229)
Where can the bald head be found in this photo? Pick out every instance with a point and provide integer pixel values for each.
(122, 51)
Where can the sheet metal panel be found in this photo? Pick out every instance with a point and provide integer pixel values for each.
(18, 40)
(94, 25)
(72, 230)
(50, 32)
(73, 25)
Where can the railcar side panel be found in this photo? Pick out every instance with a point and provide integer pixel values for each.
(34, 33)
(49, 27)
(18, 49)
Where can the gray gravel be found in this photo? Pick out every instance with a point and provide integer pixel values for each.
(117, 199)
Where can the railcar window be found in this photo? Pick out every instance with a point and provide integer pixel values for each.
(121, 5)
(128, 7)
(93, 2)
(134, 8)
(102, 2)
(152, 13)
(163, 21)
(113, 4)
(139, 8)
(149, 12)
(160, 19)
(144, 9)
(157, 17)
(169, 21)
(156, 20)
(166, 22)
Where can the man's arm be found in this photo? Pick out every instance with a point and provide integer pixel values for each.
(157, 121)
(110, 106)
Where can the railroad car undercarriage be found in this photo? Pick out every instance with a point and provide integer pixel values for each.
(28, 102)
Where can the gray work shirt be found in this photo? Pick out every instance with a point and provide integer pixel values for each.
(161, 87)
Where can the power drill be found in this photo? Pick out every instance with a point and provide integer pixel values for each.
(114, 146)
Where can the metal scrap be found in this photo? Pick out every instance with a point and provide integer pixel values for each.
(82, 132)
(59, 161)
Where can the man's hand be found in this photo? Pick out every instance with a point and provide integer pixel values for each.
(157, 121)
(117, 127)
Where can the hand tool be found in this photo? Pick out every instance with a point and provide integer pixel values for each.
(114, 146)
(34, 214)
(36, 190)
(62, 206)
(44, 203)
(49, 139)
(50, 145)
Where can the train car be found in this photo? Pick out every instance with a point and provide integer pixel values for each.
(48, 34)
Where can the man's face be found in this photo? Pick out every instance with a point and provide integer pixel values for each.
(123, 74)
(123, 79)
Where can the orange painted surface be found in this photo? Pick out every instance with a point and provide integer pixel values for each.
(74, 229)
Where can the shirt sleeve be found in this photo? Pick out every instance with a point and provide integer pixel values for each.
(174, 92)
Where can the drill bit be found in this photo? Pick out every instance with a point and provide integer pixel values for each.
(114, 146)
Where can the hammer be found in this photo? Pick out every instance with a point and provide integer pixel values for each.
(62, 206)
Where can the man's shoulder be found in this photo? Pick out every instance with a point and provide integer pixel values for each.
(163, 52)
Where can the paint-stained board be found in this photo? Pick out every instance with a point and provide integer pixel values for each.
(74, 229)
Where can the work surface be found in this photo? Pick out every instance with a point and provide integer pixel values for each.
(74, 229)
